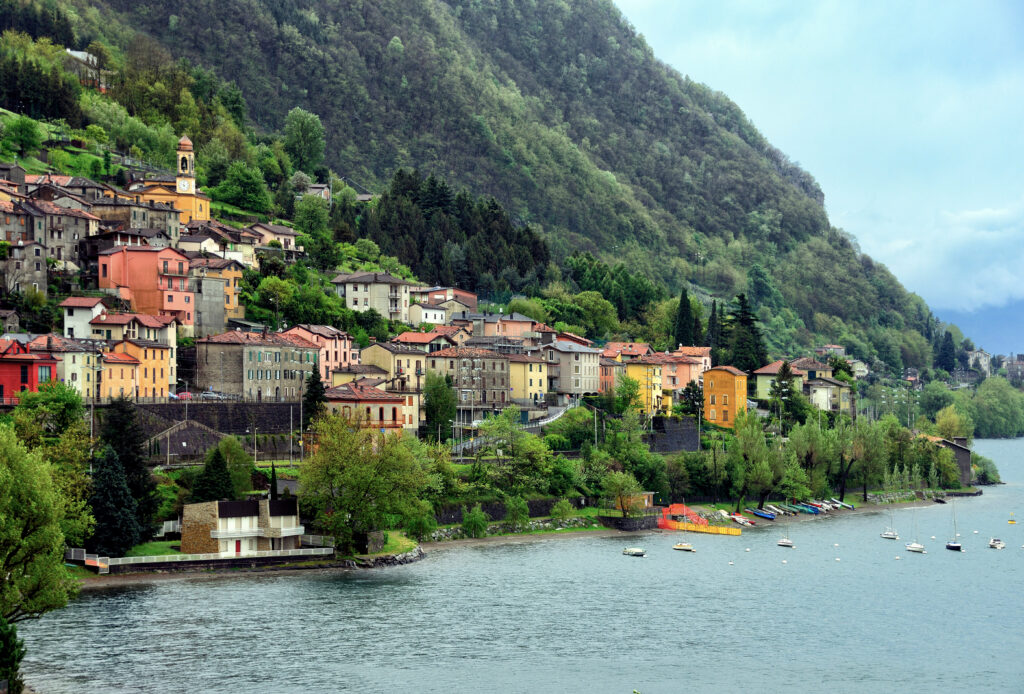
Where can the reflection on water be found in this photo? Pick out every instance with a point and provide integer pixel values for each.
(574, 614)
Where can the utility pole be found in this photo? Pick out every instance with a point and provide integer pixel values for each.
(291, 433)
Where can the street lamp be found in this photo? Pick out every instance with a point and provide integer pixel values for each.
(254, 430)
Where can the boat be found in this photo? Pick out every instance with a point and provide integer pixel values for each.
(1012, 520)
(996, 543)
(807, 508)
(785, 541)
(634, 552)
(684, 547)
(760, 514)
(890, 532)
(843, 504)
(915, 546)
(954, 544)
(938, 500)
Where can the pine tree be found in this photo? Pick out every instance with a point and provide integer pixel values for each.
(314, 399)
(946, 359)
(117, 528)
(711, 337)
(683, 331)
(121, 431)
(744, 344)
(214, 482)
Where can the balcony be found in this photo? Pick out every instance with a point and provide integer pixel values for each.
(256, 532)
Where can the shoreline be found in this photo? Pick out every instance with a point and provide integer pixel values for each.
(143, 578)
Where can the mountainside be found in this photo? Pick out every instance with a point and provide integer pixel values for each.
(561, 112)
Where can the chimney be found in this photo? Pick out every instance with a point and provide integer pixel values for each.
(49, 343)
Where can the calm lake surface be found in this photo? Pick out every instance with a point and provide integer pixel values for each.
(574, 614)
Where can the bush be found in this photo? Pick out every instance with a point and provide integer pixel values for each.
(562, 510)
(557, 442)
(12, 650)
(420, 522)
(474, 523)
(517, 513)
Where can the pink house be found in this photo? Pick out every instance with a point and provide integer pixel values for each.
(336, 347)
(154, 280)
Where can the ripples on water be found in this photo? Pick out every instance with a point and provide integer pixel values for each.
(573, 614)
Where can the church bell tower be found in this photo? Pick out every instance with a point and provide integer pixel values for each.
(186, 167)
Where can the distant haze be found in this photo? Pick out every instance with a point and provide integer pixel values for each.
(908, 114)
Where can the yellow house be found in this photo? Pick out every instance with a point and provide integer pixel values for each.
(647, 372)
(766, 377)
(405, 374)
(152, 376)
(184, 196)
(528, 377)
(725, 395)
(119, 375)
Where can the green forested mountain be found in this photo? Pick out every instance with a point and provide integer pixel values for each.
(561, 112)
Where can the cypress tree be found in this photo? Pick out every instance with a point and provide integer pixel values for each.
(117, 528)
(273, 482)
(214, 482)
(698, 330)
(946, 359)
(121, 431)
(314, 399)
(683, 331)
(711, 338)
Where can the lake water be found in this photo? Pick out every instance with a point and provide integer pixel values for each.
(574, 614)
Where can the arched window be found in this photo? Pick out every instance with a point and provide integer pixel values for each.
(184, 164)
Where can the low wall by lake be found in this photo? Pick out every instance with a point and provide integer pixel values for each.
(649, 522)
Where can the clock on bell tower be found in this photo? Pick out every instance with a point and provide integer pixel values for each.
(186, 177)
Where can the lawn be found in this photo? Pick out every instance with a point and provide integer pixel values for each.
(154, 549)
(397, 543)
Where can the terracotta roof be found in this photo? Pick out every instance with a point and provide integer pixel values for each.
(447, 330)
(113, 319)
(56, 343)
(81, 301)
(328, 331)
(352, 392)
(468, 352)
(276, 229)
(773, 369)
(694, 351)
(728, 369)
(119, 358)
(627, 349)
(415, 338)
(185, 144)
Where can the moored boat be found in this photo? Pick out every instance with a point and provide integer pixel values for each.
(634, 551)
(916, 547)
(996, 543)
(684, 547)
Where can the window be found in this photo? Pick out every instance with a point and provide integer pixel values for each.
(725, 400)
(170, 298)
(712, 416)
(712, 398)
(37, 252)
(725, 415)
(165, 262)
(44, 374)
(187, 299)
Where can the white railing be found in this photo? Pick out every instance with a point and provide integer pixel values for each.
(318, 540)
(160, 558)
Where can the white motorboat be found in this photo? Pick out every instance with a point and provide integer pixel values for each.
(634, 552)
(684, 547)
(996, 543)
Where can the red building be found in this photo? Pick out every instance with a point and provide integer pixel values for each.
(23, 370)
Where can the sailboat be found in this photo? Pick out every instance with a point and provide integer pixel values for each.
(890, 532)
(915, 546)
(684, 544)
(785, 541)
(1012, 521)
(954, 544)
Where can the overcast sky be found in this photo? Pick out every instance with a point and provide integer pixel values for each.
(910, 115)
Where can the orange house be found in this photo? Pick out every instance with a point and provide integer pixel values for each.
(119, 375)
(725, 395)
(153, 280)
(154, 366)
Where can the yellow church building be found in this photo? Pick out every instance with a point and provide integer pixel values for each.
(184, 196)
